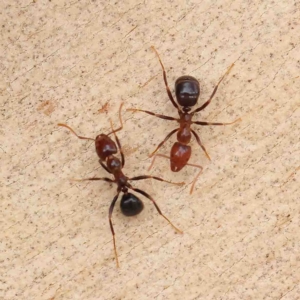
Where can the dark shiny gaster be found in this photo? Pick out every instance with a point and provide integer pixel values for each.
(187, 91)
(131, 205)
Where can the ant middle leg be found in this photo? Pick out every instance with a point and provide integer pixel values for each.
(156, 178)
(188, 164)
(215, 123)
(156, 206)
(94, 179)
(153, 114)
(213, 93)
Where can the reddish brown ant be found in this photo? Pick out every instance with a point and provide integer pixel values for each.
(187, 91)
(130, 204)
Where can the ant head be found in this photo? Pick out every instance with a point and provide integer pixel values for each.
(105, 146)
(187, 91)
(131, 205)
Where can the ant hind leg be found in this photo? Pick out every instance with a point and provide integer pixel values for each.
(156, 178)
(213, 93)
(111, 208)
(156, 206)
(188, 164)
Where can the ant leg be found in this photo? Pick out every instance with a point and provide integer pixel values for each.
(154, 158)
(166, 138)
(208, 123)
(117, 140)
(200, 144)
(156, 178)
(213, 93)
(156, 206)
(121, 151)
(80, 137)
(153, 114)
(196, 177)
(165, 80)
(111, 208)
(95, 178)
(104, 166)
(188, 164)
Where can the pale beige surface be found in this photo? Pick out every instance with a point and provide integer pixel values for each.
(63, 61)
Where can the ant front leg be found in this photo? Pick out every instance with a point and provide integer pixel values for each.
(156, 178)
(188, 164)
(116, 137)
(121, 151)
(119, 146)
(213, 93)
(156, 206)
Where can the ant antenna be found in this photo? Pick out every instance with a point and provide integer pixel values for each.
(120, 118)
(79, 136)
(111, 126)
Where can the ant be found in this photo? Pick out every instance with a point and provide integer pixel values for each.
(130, 204)
(187, 91)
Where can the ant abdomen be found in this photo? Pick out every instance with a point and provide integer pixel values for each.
(131, 205)
(187, 90)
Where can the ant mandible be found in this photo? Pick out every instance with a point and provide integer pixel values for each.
(187, 91)
(130, 204)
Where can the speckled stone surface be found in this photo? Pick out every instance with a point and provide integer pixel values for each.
(74, 62)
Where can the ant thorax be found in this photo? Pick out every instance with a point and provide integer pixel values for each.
(185, 118)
